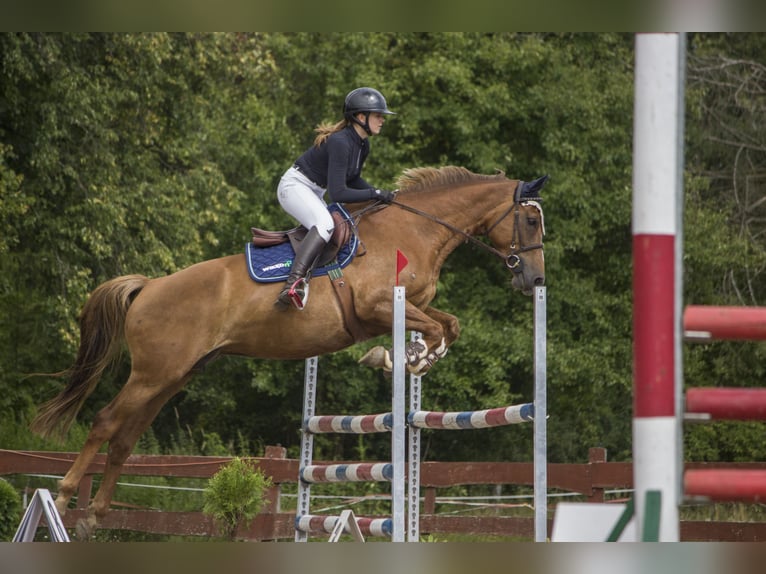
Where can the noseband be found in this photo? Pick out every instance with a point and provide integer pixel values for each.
(512, 260)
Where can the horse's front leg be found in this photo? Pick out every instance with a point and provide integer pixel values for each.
(449, 323)
(423, 353)
(438, 329)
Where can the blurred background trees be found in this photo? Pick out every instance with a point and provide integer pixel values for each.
(145, 153)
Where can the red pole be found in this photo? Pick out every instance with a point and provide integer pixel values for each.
(734, 323)
(728, 403)
(726, 485)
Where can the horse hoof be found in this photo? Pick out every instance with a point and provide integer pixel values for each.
(61, 506)
(375, 358)
(85, 529)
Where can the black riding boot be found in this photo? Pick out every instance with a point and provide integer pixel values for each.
(296, 288)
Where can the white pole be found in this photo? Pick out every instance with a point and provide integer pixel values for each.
(413, 477)
(397, 409)
(656, 327)
(307, 440)
(541, 413)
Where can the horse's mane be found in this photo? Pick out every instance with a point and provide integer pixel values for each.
(419, 178)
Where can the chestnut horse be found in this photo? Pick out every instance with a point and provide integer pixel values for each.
(175, 324)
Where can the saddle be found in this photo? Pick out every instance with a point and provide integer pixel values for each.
(269, 258)
(340, 236)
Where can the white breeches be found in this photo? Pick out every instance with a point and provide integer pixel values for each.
(304, 200)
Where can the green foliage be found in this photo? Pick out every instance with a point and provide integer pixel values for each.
(235, 494)
(145, 153)
(10, 511)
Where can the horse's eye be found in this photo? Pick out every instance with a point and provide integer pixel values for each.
(531, 221)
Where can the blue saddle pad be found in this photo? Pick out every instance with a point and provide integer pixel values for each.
(272, 264)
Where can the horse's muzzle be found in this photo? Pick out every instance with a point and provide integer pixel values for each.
(525, 282)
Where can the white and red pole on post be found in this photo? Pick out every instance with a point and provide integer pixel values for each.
(657, 244)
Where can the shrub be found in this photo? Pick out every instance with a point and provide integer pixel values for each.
(10, 510)
(235, 494)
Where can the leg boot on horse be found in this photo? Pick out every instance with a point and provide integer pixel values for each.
(296, 287)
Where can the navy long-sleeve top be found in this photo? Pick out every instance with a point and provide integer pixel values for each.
(337, 165)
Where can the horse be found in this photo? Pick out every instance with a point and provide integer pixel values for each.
(173, 325)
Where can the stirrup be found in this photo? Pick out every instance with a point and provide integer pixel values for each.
(299, 293)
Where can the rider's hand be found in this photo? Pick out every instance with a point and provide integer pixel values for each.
(385, 196)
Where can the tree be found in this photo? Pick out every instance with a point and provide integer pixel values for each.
(144, 153)
(108, 169)
(724, 255)
(727, 74)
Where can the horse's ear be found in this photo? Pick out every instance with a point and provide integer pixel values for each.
(532, 188)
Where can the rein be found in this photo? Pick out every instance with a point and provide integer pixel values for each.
(512, 260)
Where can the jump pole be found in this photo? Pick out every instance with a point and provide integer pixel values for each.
(399, 416)
(708, 323)
(384, 422)
(487, 418)
(726, 485)
(540, 439)
(727, 403)
(657, 243)
(413, 454)
(703, 324)
(307, 443)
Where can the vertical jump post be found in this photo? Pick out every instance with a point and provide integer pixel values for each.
(399, 417)
(307, 441)
(541, 414)
(501, 416)
(395, 422)
(413, 460)
(398, 405)
(657, 212)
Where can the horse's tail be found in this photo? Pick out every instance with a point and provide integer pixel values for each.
(102, 331)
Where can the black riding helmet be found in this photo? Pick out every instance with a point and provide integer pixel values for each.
(366, 100)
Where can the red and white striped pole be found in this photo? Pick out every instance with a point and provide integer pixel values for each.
(657, 160)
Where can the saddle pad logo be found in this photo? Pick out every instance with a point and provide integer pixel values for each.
(274, 266)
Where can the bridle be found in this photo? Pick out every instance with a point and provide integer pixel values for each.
(512, 260)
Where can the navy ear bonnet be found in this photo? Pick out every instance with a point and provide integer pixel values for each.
(531, 189)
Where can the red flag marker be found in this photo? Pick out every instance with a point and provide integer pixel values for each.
(401, 263)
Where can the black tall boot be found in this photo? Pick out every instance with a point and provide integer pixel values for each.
(296, 288)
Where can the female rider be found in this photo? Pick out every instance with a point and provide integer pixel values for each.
(333, 164)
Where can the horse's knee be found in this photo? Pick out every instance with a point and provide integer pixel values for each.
(452, 330)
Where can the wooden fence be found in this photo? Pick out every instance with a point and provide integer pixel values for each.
(589, 479)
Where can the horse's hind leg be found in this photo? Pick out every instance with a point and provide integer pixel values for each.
(135, 408)
(101, 431)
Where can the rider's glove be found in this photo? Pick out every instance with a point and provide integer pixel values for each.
(385, 196)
